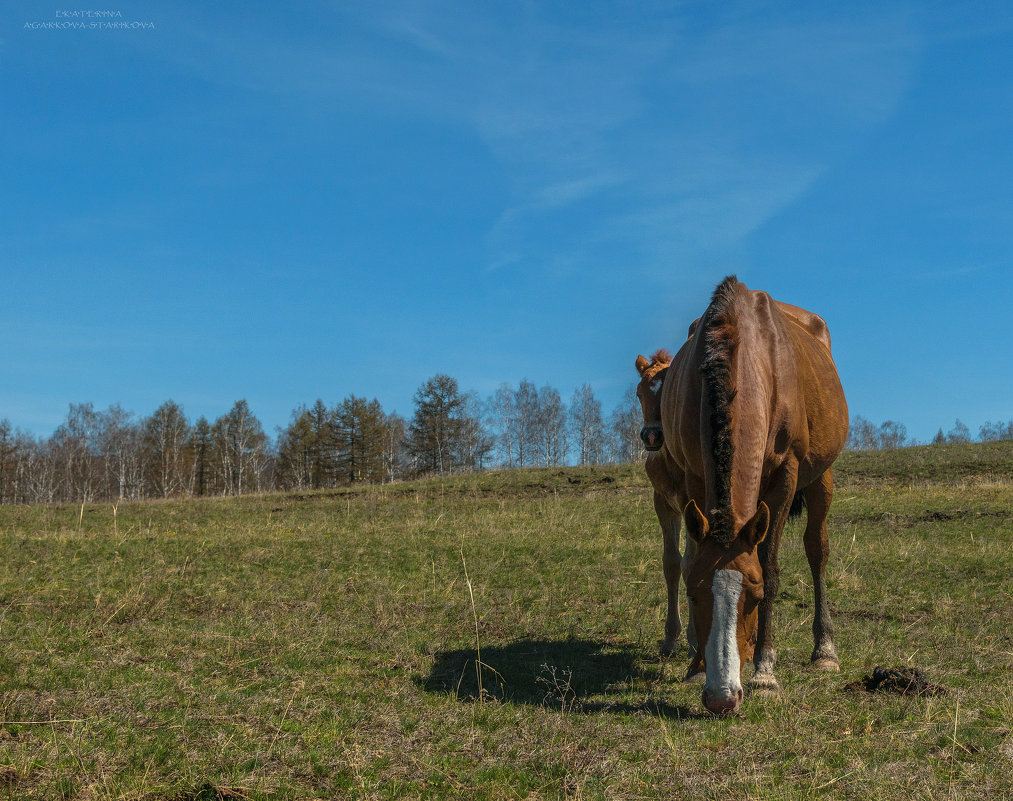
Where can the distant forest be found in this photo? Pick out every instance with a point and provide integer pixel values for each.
(111, 455)
(865, 436)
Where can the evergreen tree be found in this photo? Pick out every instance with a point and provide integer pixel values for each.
(201, 450)
(322, 445)
(296, 451)
(434, 431)
(359, 428)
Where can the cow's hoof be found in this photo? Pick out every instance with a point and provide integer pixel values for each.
(764, 684)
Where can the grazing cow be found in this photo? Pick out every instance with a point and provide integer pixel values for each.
(748, 415)
(660, 470)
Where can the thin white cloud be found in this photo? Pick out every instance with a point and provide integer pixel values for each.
(712, 135)
(714, 218)
(848, 70)
(417, 36)
(689, 133)
(564, 193)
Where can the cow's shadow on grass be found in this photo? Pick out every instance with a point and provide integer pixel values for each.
(580, 676)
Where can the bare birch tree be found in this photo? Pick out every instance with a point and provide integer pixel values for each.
(166, 433)
(119, 446)
(240, 441)
(74, 448)
(395, 447)
(8, 461)
(474, 442)
(549, 428)
(587, 427)
(500, 413)
(625, 423)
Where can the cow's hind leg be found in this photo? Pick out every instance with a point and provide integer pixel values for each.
(670, 521)
(817, 550)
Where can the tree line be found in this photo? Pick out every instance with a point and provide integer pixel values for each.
(111, 455)
(864, 435)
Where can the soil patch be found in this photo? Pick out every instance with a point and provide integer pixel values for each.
(211, 792)
(903, 681)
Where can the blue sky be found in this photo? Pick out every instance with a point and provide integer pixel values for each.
(349, 197)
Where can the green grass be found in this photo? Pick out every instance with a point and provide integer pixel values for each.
(326, 645)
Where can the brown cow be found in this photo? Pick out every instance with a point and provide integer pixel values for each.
(751, 413)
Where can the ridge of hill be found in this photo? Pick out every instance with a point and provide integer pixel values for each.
(928, 464)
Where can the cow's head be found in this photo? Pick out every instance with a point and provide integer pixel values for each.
(725, 587)
(652, 376)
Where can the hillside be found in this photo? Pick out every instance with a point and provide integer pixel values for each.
(494, 636)
(928, 464)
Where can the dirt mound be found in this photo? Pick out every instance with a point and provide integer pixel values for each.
(903, 681)
(211, 792)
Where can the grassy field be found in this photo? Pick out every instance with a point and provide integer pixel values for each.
(495, 636)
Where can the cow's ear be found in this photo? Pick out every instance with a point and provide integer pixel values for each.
(755, 531)
(697, 526)
(642, 364)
